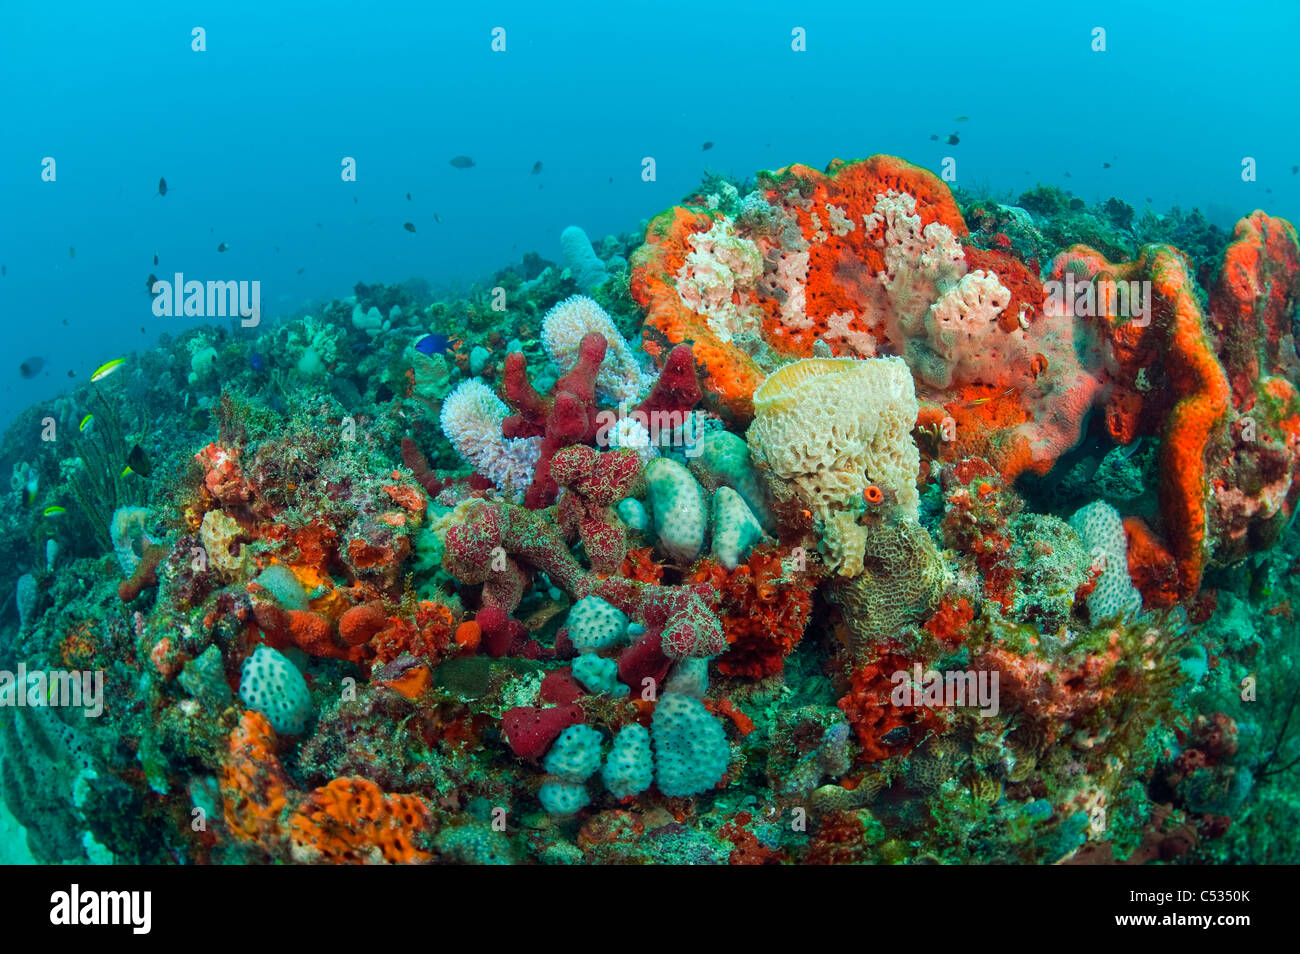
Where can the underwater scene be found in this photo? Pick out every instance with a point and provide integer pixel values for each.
(736, 436)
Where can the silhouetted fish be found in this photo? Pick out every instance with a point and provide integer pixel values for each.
(138, 462)
(408, 197)
(537, 167)
(1294, 170)
(934, 137)
(962, 119)
(706, 147)
(409, 226)
(462, 162)
(2, 271)
(301, 270)
(71, 373)
(150, 282)
(354, 200)
(31, 367)
(222, 247)
(72, 252)
(436, 219)
(1105, 165)
(155, 258)
(952, 140)
(162, 186)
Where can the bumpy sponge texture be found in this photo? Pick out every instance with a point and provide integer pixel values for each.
(1101, 530)
(594, 624)
(630, 767)
(273, 686)
(690, 746)
(575, 756)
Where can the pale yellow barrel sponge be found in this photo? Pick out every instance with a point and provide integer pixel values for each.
(826, 430)
(904, 579)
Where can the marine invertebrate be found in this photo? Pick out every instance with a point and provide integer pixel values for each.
(471, 418)
(826, 429)
(690, 746)
(273, 686)
(620, 379)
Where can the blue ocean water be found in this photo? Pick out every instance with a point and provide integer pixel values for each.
(251, 132)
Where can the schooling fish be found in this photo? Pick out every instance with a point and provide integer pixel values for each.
(706, 147)
(222, 247)
(537, 167)
(462, 162)
(962, 119)
(31, 367)
(150, 282)
(952, 140)
(155, 258)
(408, 197)
(162, 186)
(409, 226)
(934, 137)
(138, 462)
(1105, 165)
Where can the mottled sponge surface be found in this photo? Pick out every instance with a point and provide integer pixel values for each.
(735, 528)
(826, 429)
(904, 579)
(1101, 530)
(575, 756)
(690, 746)
(678, 507)
(620, 379)
(562, 798)
(598, 674)
(471, 419)
(273, 686)
(595, 624)
(629, 769)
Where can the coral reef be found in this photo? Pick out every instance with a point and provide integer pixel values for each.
(843, 519)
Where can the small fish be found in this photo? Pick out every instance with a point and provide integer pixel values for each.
(952, 140)
(72, 252)
(257, 361)
(65, 321)
(537, 167)
(1294, 170)
(138, 462)
(155, 258)
(142, 331)
(54, 511)
(1068, 176)
(301, 270)
(432, 344)
(462, 162)
(1105, 165)
(354, 200)
(85, 422)
(126, 470)
(934, 137)
(107, 368)
(611, 180)
(150, 282)
(222, 247)
(31, 367)
(706, 147)
(962, 119)
(408, 197)
(979, 401)
(162, 186)
(3, 270)
(410, 226)
(71, 373)
(436, 219)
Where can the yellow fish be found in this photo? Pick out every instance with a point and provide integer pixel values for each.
(107, 368)
(85, 422)
(54, 511)
(126, 470)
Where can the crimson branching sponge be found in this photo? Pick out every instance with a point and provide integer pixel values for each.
(273, 686)
(629, 768)
(691, 750)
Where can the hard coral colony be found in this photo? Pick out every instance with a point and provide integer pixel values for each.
(847, 520)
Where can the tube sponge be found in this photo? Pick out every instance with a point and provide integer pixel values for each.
(273, 686)
(620, 379)
(471, 420)
(691, 750)
(588, 270)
